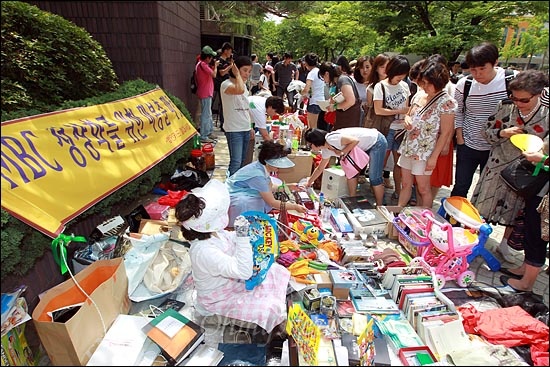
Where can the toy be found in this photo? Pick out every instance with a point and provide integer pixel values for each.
(448, 250)
(308, 232)
(460, 210)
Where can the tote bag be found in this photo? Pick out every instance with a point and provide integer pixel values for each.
(354, 162)
(379, 122)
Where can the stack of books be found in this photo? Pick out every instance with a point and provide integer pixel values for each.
(175, 334)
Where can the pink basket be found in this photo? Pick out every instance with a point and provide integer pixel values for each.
(411, 240)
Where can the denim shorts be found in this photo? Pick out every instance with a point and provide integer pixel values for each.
(392, 144)
(314, 109)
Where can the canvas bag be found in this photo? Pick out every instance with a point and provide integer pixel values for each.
(73, 342)
(354, 162)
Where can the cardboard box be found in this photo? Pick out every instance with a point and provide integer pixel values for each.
(334, 183)
(303, 162)
(342, 281)
(322, 280)
(157, 211)
(369, 222)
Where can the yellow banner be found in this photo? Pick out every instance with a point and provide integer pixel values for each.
(57, 165)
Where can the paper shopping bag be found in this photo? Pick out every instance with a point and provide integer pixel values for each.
(72, 343)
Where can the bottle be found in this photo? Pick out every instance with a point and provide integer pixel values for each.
(298, 134)
(197, 141)
(197, 160)
(321, 202)
(294, 144)
(326, 211)
(209, 157)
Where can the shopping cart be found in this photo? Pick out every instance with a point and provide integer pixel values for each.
(448, 250)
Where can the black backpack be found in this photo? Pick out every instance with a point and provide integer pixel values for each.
(193, 83)
(508, 75)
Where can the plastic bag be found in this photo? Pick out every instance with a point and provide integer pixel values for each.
(168, 269)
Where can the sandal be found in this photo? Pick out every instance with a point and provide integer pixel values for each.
(412, 202)
(395, 195)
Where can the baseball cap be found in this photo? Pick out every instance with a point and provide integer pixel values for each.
(269, 68)
(281, 162)
(207, 50)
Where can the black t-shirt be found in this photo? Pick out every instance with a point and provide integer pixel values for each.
(219, 79)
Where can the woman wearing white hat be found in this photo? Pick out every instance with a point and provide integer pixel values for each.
(250, 187)
(222, 260)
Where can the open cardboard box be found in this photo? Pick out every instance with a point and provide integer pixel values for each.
(303, 162)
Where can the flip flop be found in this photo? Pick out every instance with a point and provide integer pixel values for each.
(510, 274)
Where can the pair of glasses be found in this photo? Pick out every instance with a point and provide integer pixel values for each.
(522, 100)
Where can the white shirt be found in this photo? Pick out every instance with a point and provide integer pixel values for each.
(317, 86)
(367, 138)
(235, 109)
(257, 111)
(396, 98)
(216, 261)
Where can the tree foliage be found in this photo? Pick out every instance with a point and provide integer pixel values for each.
(331, 28)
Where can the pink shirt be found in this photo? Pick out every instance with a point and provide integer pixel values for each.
(205, 82)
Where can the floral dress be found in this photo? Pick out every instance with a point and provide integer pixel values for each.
(493, 199)
(420, 141)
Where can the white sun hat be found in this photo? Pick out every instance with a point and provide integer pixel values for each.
(215, 215)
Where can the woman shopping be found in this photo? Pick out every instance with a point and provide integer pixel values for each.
(341, 142)
(523, 113)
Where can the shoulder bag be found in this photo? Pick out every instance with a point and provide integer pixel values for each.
(378, 122)
(525, 178)
(351, 116)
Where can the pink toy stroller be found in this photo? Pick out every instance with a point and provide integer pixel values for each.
(447, 252)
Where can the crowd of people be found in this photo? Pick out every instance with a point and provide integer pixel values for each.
(417, 114)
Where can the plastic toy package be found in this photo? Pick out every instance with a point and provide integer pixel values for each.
(265, 245)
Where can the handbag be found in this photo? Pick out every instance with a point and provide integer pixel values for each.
(354, 162)
(351, 116)
(525, 178)
(379, 122)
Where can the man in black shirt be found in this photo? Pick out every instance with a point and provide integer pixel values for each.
(226, 59)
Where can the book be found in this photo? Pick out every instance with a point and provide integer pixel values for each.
(344, 308)
(408, 291)
(365, 302)
(175, 334)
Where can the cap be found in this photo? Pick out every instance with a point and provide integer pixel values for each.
(207, 50)
(215, 214)
(269, 68)
(281, 162)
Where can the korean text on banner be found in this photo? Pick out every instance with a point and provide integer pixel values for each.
(57, 165)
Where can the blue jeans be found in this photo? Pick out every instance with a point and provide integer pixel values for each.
(467, 161)
(392, 144)
(376, 163)
(237, 142)
(206, 117)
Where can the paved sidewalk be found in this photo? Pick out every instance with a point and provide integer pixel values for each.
(478, 266)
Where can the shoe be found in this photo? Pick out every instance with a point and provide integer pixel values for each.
(504, 280)
(395, 196)
(206, 140)
(387, 183)
(412, 202)
(213, 137)
(510, 274)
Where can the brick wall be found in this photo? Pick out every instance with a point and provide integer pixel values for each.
(156, 41)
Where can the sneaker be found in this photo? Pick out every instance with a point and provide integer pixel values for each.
(213, 137)
(206, 140)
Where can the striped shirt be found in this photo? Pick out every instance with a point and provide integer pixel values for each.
(481, 103)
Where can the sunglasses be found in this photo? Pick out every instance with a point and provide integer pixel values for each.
(522, 100)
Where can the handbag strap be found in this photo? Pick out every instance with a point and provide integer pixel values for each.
(432, 101)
